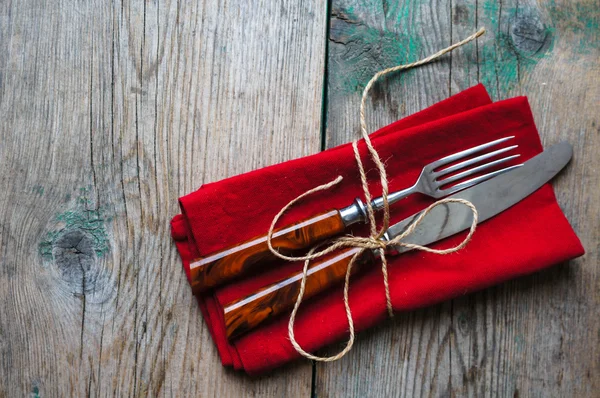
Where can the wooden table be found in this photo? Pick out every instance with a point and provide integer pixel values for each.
(111, 110)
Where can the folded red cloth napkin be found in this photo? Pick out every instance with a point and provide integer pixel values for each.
(531, 235)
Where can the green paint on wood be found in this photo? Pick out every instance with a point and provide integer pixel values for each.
(358, 49)
(502, 63)
(579, 19)
(82, 217)
(519, 343)
(366, 37)
(38, 189)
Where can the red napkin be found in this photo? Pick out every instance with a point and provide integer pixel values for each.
(530, 236)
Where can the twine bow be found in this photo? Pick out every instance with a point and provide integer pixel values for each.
(373, 241)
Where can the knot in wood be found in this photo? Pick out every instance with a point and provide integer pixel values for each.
(75, 258)
(528, 33)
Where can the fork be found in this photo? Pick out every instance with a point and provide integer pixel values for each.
(218, 268)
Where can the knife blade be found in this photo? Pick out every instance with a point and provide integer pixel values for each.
(490, 198)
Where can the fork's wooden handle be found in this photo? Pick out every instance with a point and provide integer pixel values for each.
(236, 261)
(247, 313)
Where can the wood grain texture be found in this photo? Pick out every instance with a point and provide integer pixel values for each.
(535, 336)
(263, 305)
(253, 255)
(109, 111)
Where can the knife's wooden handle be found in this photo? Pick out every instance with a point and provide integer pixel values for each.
(231, 263)
(247, 313)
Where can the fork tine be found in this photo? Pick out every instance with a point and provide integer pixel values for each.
(477, 180)
(475, 170)
(466, 152)
(469, 162)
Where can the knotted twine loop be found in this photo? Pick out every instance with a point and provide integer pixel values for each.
(373, 241)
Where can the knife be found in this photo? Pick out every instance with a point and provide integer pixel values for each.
(490, 198)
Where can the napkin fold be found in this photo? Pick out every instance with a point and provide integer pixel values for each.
(532, 235)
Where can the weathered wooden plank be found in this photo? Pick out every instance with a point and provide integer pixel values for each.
(366, 37)
(109, 111)
(536, 336)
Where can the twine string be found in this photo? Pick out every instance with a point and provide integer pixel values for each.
(373, 241)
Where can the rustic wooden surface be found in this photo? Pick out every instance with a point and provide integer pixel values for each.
(536, 336)
(109, 111)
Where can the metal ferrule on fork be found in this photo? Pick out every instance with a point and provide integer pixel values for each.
(432, 181)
